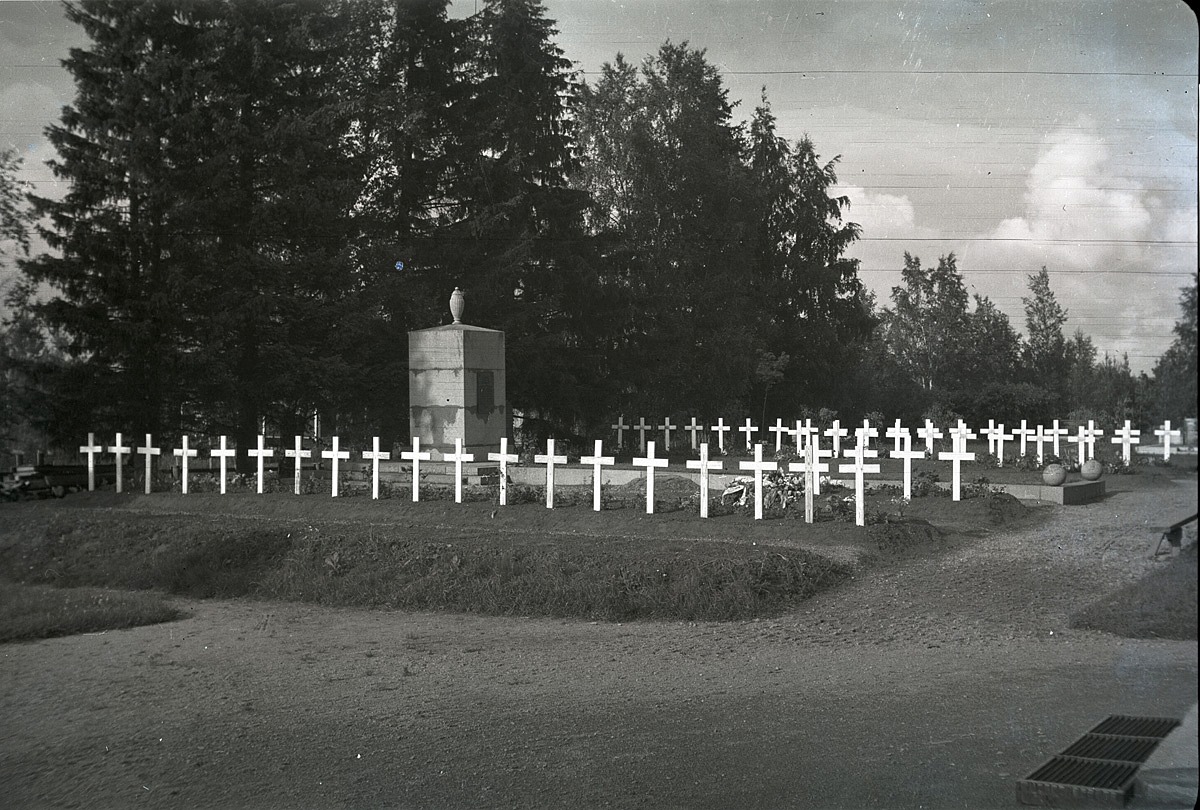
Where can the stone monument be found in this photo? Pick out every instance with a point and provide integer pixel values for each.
(456, 386)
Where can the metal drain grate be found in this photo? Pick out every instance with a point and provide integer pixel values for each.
(1136, 726)
(1098, 769)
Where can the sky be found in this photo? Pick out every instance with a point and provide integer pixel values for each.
(1014, 134)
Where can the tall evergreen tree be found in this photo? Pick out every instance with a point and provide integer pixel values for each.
(1175, 372)
(1045, 348)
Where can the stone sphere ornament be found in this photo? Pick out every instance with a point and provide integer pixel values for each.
(1091, 470)
(1054, 475)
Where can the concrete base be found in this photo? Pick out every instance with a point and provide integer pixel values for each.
(1169, 777)
(1070, 494)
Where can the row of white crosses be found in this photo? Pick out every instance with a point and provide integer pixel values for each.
(997, 437)
(809, 441)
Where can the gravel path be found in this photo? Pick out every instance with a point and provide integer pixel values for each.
(930, 680)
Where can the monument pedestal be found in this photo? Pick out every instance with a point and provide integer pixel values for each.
(456, 387)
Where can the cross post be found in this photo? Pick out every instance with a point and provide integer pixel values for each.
(908, 454)
(778, 429)
(620, 427)
(641, 427)
(297, 453)
(860, 454)
(990, 432)
(748, 428)
(759, 466)
(375, 455)
(1024, 433)
(119, 449)
(867, 431)
(1040, 439)
(694, 429)
(458, 457)
(505, 458)
(896, 433)
(1165, 432)
(1089, 437)
(223, 455)
(335, 455)
(929, 433)
(666, 428)
(1081, 441)
(91, 449)
(597, 460)
(549, 459)
(260, 454)
(704, 465)
(1126, 437)
(1055, 432)
(812, 468)
(650, 462)
(416, 457)
(837, 433)
(149, 452)
(958, 455)
(185, 453)
(721, 428)
(1001, 437)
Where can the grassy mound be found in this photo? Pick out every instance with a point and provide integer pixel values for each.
(539, 574)
(1160, 605)
(30, 612)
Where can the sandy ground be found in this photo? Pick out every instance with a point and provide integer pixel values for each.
(927, 681)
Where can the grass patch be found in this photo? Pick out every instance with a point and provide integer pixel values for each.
(540, 574)
(1160, 605)
(29, 612)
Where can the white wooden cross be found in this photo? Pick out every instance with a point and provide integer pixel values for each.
(990, 432)
(224, 454)
(812, 467)
(963, 431)
(597, 461)
(620, 427)
(666, 427)
(1001, 437)
(91, 449)
(185, 453)
(908, 454)
(1040, 438)
(1055, 433)
(929, 433)
(817, 455)
(641, 427)
(458, 457)
(416, 457)
(375, 455)
(118, 449)
(1024, 433)
(804, 433)
(260, 454)
(748, 429)
(1089, 437)
(335, 455)
(860, 454)
(864, 434)
(694, 428)
(778, 429)
(505, 458)
(298, 453)
(704, 465)
(867, 431)
(549, 459)
(896, 433)
(759, 466)
(837, 433)
(1078, 439)
(721, 428)
(1165, 432)
(1126, 437)
(149, 452)
(958, 455)
(650, 462)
